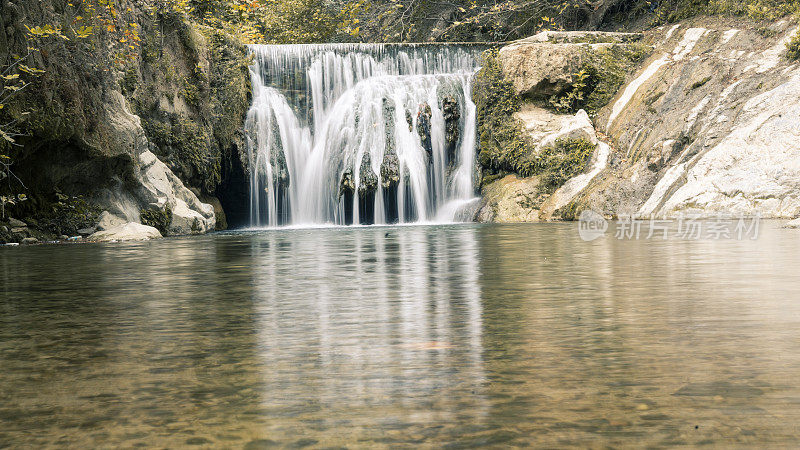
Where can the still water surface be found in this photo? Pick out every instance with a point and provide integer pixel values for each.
(413, 336)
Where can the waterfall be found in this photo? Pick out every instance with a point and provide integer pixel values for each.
(360, 133)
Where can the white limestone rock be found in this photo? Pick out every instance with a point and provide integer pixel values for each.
(162, 188)
(131, 231)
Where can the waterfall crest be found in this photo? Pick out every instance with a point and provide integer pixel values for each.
(360, 133)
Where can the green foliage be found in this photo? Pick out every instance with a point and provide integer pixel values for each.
(474, 20)
(557, 164)
(503, 142)
(574, 98)
(66, 215)
(793, 48)
(129, 80)
(677, 10)
(600, 78)
(157, 218)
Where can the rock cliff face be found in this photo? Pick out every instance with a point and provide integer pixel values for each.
(709, 124)
(126, 135)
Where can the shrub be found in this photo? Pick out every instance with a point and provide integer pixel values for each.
(558, 163)
(66, 215)
(793, 48)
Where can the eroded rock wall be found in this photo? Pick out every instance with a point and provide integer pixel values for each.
(159, 129)
(709, 124)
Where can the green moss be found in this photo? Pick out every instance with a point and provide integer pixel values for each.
(186, 147)
(558, 163)
(190, 92)
(157, 218)
(600, 78)
(506, 147)
(129, 80)
(793, 49)
(653, 98)
(503, 141)
(766, 32)
(700, 83)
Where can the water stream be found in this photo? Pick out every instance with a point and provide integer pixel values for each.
(360, 133)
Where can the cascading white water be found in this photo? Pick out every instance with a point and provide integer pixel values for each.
(360, 133)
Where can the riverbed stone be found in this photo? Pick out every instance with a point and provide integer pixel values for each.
(30, 240)
(795, 224)
(16, 223)
(131, 231)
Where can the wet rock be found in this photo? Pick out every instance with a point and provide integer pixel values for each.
(86, 231)
(410, 121)
(63, 237)
(347, 183)
(390, 170)
(30, 240)
(424, 129)
(15, 223)
(281, 169)
(368, 179)
(452, 117)
(511, 200)
(131, 231)
(467, 212)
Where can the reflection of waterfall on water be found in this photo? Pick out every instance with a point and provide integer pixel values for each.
(382, 326)
(360, 133)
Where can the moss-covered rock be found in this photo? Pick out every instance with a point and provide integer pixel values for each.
(158, 218)
(600, 77)
(503, 142)
(558, 163)
(192, 96)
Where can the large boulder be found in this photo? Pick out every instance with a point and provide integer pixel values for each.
(161, 188)
(539, 69)
(131, 231)
(510, 200)
(546, 64)
(545, 127)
